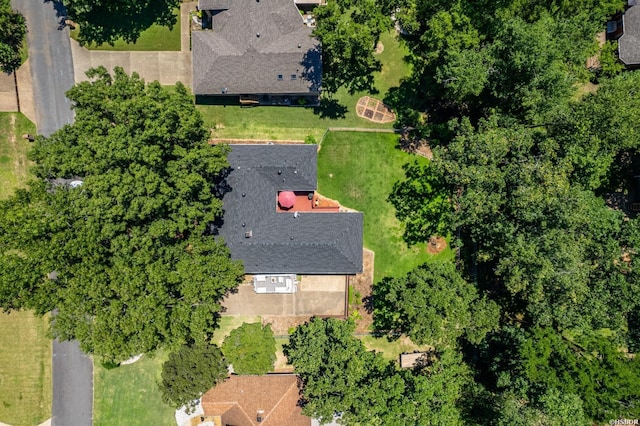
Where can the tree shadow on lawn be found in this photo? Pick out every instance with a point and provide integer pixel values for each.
(331, 108)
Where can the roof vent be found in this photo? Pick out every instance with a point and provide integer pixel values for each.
(296, 214)
(299, 45)
(259, 415)
(279, 172)
(244, 194)
(244, 224)
(257, 34)
(248, 234)
(291, 238)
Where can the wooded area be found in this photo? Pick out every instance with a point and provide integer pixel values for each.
(537, 319)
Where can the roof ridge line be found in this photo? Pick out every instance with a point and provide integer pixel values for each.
(280, 400)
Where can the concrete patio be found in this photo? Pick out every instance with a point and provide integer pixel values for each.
(320, 295)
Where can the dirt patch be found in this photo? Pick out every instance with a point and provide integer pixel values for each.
(379, 48)
(374, 110)
(361, 288)
(436, 245)
(281, 324)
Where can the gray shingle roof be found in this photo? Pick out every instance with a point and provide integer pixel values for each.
(312, 243)
(629, 43)
(233, 57)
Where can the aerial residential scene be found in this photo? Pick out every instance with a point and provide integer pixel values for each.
(319, 212)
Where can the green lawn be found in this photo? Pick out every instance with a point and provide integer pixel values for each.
(25, 369)
(129, 394)
(14, 166)
(228, 323)
(296, 123)
(390, 350)
(359, 170)
(155, 38)
(25, 350)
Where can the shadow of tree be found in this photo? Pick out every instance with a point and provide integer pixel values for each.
(105, 22)
(331, 108)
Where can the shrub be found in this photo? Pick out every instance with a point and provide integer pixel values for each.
(251, 349)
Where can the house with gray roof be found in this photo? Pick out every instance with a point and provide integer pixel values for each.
(260, 51)
(629, 41)
(272, 238)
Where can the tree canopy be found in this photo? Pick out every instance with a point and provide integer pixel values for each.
(433, 305)
(341, 378)
(349, 32)
(189, 372)
(251, 349)
(116, 231)
(106, 21)
(13, 29)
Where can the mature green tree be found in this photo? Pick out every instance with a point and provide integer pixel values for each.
(335, 369)
(433, 305)
(349, 34)
(136, 266)
(13, 29)
(251, 349)
(553, 409)
(340, 376)
(548, 364)
(106, 21)
(422, 203)
(189, 372)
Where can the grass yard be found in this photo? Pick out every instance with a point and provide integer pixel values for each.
(228, 323)
(14, 165)
(129, 394)
(155, 38)
(359, 170)
(25, 369)
(390, 350)
(25, 350)
(296, 123)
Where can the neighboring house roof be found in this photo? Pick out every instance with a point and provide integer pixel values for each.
(239, 399)
(629, 43)
(232, 59)
(284, 242)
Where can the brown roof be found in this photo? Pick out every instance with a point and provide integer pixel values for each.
(239, 398)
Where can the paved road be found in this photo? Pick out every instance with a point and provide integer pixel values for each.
(72, 385)
(52, 76)
(51, 63)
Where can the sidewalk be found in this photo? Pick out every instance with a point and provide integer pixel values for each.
(166, 67)
(8, 100)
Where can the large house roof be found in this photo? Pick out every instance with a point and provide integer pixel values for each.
(284, 242)
(629, 43)
(239, 399)
(255, 47)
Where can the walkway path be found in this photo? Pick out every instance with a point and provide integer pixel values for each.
(52, 75)
(164, 66)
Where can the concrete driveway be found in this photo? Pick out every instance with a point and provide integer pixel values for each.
(165, 67)
(317, 295)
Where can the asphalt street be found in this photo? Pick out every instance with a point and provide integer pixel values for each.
(51, 62)
(72, 385)
(52, 75)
